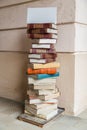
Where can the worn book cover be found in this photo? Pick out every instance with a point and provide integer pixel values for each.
(29, 35)
(43, 56)
(42, 25)
(41, 51)
(44, 40)
(42, 30)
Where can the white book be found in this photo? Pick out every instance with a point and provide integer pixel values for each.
(38, 56)
(41, 41)
(47, 81)
(42, 15)
(45, 86)
(48, 114)
(42, 61)
(41, 46)
(33, 101)
(46, 92)
(40, 110)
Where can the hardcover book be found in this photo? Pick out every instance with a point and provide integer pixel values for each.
(51, 86)
(51, 96)
(41, 35)
(42, 61)
(40, 110)
(42, 30)
(44, 81)
(45, 115)
(44, 40)
(48, 46)
(41, 71)
(43, 76)
(43, 56)
(41, 50)
(42, 25)
(47, 65)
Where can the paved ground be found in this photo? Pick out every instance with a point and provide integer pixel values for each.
(9, 111)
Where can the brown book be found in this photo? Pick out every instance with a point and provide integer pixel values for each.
(43, 56)
(42, 25)
(42, 30)
(34, 50)
(42, 36)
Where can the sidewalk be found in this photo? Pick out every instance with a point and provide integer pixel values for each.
(9, 111)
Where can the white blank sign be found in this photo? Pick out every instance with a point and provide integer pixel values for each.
(42, 15)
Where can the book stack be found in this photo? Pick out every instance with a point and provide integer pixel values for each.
(42, 71)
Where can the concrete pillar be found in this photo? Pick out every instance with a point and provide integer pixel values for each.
(72, 55)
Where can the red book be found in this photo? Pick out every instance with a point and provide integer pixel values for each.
(42, 51)
(42, 25)
(42, 36)
(42, 30)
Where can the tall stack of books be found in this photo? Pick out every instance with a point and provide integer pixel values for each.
(42, 71)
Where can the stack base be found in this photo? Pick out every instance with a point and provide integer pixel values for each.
(38, 121)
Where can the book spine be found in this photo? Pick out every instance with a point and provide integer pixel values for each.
(41, 71)
(41, 51)
(41, 36)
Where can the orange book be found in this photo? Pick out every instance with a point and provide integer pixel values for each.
(42, 71)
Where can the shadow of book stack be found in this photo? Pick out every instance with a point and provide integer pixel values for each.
(42, 72)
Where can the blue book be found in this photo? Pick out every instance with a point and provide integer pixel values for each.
(42, 76)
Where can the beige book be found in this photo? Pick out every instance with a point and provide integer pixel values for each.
(47, 65)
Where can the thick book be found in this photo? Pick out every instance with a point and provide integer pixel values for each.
(40, 110)
(46, 92)
(47, 65)
(44, 40)
(34, 100)
(51, 86)
(31, 71)
(43, 103)
(33, 93)
(34, 50)
(42, 25)
(44, 82)
(50, 96)
(43, 56)
(42, 61)
(42, 30)
(48, 46)
(45, 115)
(49, 35)
(43, 76)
